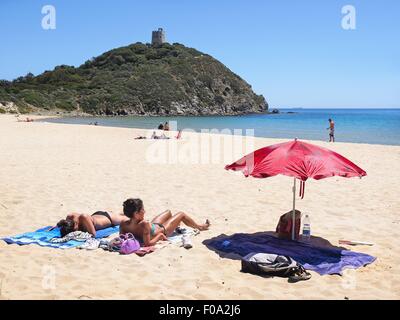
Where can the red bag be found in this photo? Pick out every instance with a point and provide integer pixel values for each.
(284, 227)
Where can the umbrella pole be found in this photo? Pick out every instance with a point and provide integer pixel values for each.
(294, 208)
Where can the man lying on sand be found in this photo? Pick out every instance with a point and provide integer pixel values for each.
(153, 136)
(83, 222)
(163, 136)
(159, 228)
(26, 120)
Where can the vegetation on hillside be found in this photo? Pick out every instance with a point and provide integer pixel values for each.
(137, 79)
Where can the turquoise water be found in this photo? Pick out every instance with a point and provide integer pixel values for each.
(374, 126)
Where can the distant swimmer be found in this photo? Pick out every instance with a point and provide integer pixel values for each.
(331, 130)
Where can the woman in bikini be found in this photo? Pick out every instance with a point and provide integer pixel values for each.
(159, 228)
(83, 222)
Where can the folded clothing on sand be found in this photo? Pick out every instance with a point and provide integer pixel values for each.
(90, 244)
(145, 250)
(178, 235)
(318, 259)
(76, 235)
(43, 236)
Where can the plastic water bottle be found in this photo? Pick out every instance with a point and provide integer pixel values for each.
(306, 228)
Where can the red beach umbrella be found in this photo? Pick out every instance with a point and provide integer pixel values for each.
(296, 159)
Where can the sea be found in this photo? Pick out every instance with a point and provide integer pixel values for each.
(372, 126)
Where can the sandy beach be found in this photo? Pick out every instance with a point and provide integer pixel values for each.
(49, 170)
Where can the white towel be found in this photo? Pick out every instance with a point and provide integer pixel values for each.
(177, 238)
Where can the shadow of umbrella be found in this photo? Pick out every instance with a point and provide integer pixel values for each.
(318, 255)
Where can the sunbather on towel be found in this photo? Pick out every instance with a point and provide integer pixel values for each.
(83, 222)
(153, 136)
(159, 228)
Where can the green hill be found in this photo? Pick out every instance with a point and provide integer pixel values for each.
(137, 79)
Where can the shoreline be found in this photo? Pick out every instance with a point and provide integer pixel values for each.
(60, 113)
(195, 131)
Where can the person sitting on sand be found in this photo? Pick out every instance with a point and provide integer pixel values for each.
(166, 126)
(83, 222)
(160, 126)
(159, 228)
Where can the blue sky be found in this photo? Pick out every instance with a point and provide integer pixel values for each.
(295, 53)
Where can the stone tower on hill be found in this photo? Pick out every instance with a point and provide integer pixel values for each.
(158, 37)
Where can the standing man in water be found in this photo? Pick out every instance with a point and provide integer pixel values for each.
(331, 130)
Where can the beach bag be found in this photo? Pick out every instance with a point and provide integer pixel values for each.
(285, 225)
(128, 244)
(269, 264)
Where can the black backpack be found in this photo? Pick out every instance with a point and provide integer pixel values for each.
(270, 264)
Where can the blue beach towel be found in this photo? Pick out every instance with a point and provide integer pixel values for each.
(318, 259)
(42, 238)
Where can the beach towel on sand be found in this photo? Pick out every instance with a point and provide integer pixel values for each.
(320, 260)
(42, 237)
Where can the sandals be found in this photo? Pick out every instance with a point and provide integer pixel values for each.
(299, 275)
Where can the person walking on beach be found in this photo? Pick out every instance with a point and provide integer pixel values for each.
(331, 130)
